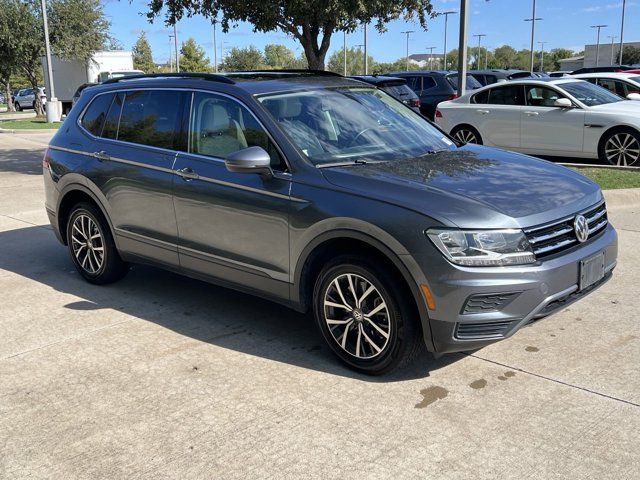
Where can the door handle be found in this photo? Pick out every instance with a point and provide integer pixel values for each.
(531, 114)
(483, 112)
(187, 173)
(101, 155)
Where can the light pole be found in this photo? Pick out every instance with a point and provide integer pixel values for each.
(175, 40)
(542, 55)
(612, 37)
(533, 21)
(407, 33)
(462, 49)
(446, 19)
(171, 53)
(598, 42)
(51, 107)
(479, 35)
(359, 47)
(366, 62)
(344, 51)
(624, 5)
(215, 48)
(430, 56)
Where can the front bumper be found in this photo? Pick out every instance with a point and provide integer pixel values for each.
(532, 291)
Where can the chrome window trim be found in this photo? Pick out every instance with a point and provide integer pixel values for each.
(172, 151)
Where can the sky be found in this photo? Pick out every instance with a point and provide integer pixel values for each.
(566, 24)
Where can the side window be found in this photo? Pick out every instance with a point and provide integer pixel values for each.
(428, 82)
(220, 126)
(490, 79)
(481, 97)
(542, 96)
(415, 83)
(151, 117)
(110, 129)
(511, 95)
(95, 115)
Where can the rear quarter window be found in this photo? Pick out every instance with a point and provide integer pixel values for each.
(95, 115)
(482, 97)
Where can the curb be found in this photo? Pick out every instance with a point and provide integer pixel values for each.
(604, 167)
(623, 197)
(27, 130)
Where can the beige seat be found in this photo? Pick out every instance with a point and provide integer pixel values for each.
(219, 134)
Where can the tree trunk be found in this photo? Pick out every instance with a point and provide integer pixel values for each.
(7, 96)
(315, 51)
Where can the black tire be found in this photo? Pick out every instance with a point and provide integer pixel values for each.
(399, 319)
(89, 221)
(609, 143)
(462, 132)
(18, 107)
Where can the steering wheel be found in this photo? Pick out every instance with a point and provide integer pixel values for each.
(357, 137)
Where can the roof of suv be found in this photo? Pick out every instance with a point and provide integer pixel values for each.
(440, 73)
(253, 82)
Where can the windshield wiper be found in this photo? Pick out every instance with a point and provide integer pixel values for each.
(351, 163)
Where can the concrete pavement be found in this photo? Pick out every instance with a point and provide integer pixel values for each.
(160, 376)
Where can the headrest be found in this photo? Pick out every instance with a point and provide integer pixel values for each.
(215, 118)
(289, 108)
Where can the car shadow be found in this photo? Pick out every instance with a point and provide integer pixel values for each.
(21, 160)
(192, 308)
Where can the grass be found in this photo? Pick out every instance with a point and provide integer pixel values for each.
(610, 178)
(30, 123)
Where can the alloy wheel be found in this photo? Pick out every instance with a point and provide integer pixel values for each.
(87, 244)
(622, 149)
(357, 316)
(465, 136)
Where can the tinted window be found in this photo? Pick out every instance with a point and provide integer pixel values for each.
(403, 92)
(428, 82)
(472, 83)
(614, 86)
(94, 116)
(221, 126)
(415, 83)
(511, 95)
(110, 129)
(589, 94)
(150, 117)
(542, 96)
(490, 79)
(482, 97)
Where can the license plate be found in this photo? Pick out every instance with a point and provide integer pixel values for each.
(591, 270)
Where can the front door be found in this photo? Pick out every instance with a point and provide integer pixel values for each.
(497, 113)
(546, 128)
(232, 226)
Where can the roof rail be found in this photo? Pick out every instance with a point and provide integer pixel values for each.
(202, 76)
(300, 71)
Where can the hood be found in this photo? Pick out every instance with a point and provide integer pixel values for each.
(473, 187)
(626, 106)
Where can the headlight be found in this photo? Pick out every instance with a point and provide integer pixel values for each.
(483, 248)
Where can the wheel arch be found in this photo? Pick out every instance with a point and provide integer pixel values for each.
(469, 126)
(72, 195)
(614, 128)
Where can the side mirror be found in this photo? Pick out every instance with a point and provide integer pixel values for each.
(250, 160)
(563, 103)
(633, 96)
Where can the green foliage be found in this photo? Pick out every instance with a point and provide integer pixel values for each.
(142, 57)
(552, 60)
(278, 56)
(504, 57)
(247, 58)
(310, 22)
(355, 61)
(193, 57)
(630, 55)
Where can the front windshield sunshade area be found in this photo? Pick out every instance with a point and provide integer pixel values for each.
(590, 94)
(353, 124)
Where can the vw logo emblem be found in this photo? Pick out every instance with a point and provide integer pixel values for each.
(581, 227)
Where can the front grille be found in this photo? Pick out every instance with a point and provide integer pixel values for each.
(469, 331)
(553, 238)
(488, 302)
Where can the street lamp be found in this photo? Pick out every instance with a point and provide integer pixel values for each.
(366, 62)
(612, 37)
(479, 35)
(51, 108)
(430, 56)
(407, 33)
(624, 5)
(598, 42)
(462, 49)
(344, 51)
(215, 48)
(175, 40)
(542, 55)
(446, 18)
(171, 53)
(533, 21)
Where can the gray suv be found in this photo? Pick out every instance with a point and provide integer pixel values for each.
(329, 196)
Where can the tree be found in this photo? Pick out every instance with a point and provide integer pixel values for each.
(278, 56)
(355, 61)
(247, 58)
(193, 57)
(310, 22)
(504, 57)
(9, 16)
(554, 57)
(142, 57)
(630, 55)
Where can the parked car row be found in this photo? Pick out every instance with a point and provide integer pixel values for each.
(25, 98)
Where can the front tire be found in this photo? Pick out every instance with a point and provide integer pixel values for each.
(92, 248)
(18, 107)
(620, 147)
(365, 317)
(466, 134)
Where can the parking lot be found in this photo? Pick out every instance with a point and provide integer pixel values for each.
(160, 376)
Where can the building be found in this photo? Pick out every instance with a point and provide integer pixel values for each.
(427, 60)
(609, 54)
(572, 63)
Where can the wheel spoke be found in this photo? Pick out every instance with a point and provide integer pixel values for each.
(358, 340)
(371, 342)
(352, 289)
(328, 303)
(339, 290)
(331, 321)
(376, 310)
(344, 335)
(365, 295)
(380, 331)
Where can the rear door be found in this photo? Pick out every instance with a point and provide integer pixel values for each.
(135, 152)
(547, 128)
(233, 226)
(497, 115)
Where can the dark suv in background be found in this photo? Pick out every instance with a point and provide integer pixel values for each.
(395, 86)
(434, 86)
(329, 196)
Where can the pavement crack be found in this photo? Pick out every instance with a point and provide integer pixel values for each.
(554, 380)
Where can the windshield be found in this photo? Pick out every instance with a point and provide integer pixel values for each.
(635, 79)
(472, 83)
(590, 94)
(353, 124)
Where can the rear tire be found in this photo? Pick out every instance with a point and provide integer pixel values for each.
(374, 330)
(466, 134)
(620, 147)
(91, 245)
(18, 107)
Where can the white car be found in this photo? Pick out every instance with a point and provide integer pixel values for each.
(558, 117)
(626, 85)
(26, 98)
